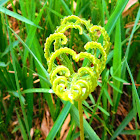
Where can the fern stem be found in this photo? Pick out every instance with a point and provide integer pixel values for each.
(81, 120)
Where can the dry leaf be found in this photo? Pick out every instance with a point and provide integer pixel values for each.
(129, 4)
(129, 11)
(32, 132)
(131, 24)
(65, 126)
(47, 122)
(44, 127)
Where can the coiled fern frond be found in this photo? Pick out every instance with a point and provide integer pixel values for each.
(66, 83)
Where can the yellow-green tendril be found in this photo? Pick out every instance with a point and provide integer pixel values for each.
(67, 84)
(50, 39)
(81, 120)
(76, 20)
(62, 29)
(58, 53)
(75, 85)
(95, 45)
(62, 70)
(106, 41)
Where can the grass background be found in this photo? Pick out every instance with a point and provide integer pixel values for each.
(29, 109)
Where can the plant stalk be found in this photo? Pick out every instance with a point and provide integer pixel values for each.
(81, 120)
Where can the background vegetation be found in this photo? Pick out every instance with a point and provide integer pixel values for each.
(28, 109)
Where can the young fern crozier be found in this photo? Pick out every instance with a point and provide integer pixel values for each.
(66, 83)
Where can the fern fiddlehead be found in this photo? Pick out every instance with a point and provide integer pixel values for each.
(66, 83)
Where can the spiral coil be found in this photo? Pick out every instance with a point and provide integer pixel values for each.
(66, 83)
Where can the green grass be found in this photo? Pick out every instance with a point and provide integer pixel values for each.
(24, 28)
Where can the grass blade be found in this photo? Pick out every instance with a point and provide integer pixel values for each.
(23, 131)
(114, 87)
(44, 70)
(17, 16)
(17, 81)
(37, 90)
(128, 46)
(108, 96)
(130, 132)
(127, 119)
(115, 16)
(132, 33)
(31, 33)
(116, 69)
(2, 2)
(134, 91)
(59, 121)
(67, 10)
